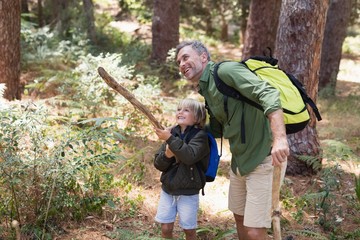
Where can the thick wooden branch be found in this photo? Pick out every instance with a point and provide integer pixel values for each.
(276, 202)
(129, 96)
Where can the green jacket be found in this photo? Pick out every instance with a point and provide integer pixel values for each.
(184, 174)
(246, 156)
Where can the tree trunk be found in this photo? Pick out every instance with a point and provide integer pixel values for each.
(40, 14)
(261, 27)
(337, 20)
(62, 16)
(224, 30)
(24, 6)
(165, 28)
(209, 30)
(10, 48)
(90, 20)
(298, 48)
(245, 4)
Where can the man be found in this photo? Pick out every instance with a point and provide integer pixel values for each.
(257, 139)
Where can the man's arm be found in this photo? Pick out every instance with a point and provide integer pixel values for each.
(280, 147)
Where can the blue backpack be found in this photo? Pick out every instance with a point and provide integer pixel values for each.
(214, 159)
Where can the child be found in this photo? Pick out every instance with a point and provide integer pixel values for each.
(183, 160)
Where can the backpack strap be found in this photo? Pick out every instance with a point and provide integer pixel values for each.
(221, 139)
(304, 95)
(232, 92)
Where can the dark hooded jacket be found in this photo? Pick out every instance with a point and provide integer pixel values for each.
(184, 174)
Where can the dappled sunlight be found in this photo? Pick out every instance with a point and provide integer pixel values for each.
(349, 70)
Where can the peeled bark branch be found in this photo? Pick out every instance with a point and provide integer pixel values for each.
(129, 96)
(275, 202)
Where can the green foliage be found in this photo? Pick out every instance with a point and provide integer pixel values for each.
(127, 234)
(215, 233)
(138, 8)
(357, 186)
(50, 172)
(344, 115)
(43, 46)
(312, 161)
(352, 235)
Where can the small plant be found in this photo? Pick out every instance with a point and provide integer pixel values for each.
(357, 186)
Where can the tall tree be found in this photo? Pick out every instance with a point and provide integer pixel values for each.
(24, 6)
(261, 27)
(337, 20)
(40, 13)
(245, 8)
(10, 12)
(165, 28)
(298, 48)
(90, 20)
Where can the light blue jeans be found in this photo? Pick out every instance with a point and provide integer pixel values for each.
(185, 206)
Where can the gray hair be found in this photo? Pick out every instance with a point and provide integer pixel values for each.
(198, 46)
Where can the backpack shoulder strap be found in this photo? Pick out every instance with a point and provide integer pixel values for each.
(191, 134)
(304, 95)
(230, 91)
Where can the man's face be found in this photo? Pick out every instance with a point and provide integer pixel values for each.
(191, 64)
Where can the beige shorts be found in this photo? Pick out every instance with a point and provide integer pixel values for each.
(250, 195)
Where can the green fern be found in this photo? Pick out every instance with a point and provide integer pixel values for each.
(357, 187)
(312, 161)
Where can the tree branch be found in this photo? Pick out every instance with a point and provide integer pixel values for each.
(129, 96)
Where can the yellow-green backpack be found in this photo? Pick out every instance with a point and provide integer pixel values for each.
(293, 96)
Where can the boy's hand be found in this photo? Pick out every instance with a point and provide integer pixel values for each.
(163, 134)
(168, 152)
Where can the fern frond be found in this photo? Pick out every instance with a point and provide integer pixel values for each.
(2, 89)
(312, 161)
(357, 186)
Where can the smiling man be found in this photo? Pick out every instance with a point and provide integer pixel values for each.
(256, 148)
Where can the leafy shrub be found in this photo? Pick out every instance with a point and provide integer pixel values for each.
(50, 172)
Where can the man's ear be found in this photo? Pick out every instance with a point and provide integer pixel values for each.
(204, 57)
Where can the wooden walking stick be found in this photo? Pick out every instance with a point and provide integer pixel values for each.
(276, 202)
(129, 96)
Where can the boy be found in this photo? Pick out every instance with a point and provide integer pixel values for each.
(183, 160)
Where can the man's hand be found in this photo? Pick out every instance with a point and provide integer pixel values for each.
(279, 151)
(280, 147)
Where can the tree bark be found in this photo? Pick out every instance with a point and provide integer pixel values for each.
(24, 6)
(298, 48)
(165, 28)
(337, 20)
(245, 8)
(40, 14)
(261, 27)
(90, 20)
(10, 48)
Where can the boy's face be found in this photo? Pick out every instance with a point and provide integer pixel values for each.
(185, 117)
(191, 64)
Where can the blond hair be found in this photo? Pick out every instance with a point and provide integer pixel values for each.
(197, 108)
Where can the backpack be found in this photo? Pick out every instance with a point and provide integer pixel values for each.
(293, 96)
(214, 158)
